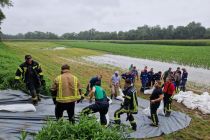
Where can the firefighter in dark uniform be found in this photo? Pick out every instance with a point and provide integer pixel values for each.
(129, 106)
(31, 73)
(101, 104)
(168, 90)
(155, 100)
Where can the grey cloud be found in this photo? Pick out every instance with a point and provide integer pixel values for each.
(104, 15)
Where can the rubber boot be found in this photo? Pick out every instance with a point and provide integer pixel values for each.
(111, 96)
(38, 97)
(167, 114)
(134, 126)
(117, 122)
(35, 102)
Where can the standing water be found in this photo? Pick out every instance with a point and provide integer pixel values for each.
(196, 75)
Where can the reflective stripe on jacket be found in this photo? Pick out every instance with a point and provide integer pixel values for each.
(67, 87)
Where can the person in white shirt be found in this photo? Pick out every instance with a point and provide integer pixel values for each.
(115, 84)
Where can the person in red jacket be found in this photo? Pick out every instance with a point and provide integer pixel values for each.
(168, 90)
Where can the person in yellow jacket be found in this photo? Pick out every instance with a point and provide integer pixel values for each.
(66, 90)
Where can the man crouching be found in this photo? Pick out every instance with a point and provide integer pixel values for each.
(101, 104)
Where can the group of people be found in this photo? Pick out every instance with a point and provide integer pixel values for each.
(148, 77)
(66, 90)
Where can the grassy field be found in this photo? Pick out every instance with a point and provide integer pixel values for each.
(12, 54)
(198, 56)
(200, 42)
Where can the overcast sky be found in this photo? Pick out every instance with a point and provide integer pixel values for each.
(60, 16)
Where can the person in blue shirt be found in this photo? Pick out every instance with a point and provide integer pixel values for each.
(144, 79)
(128, 75)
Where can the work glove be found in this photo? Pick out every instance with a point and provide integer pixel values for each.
(80, 100)
(16, 83)
(43, 83)
(54, 100)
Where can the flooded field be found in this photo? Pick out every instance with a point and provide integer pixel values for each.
(196, 75)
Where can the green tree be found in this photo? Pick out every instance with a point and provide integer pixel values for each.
(3, 3)
(195, 30)
(207, 34)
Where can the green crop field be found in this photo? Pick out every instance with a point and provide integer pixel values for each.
(199, 42)
(198, 56)
(12, 54)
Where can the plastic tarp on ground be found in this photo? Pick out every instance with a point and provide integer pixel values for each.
(11, 123)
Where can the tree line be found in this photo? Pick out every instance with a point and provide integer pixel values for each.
(191, 31)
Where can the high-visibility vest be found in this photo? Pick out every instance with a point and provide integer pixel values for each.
(65, 98)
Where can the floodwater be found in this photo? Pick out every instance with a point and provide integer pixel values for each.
(196, 75)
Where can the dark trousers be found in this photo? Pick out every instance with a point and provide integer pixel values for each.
(130, 117)
(34, 89)
(177, 83)
(153, 82)
(61, 107)
(144, 85)
(183, 85)
(167, 103)
(153, 111)
(101, 107)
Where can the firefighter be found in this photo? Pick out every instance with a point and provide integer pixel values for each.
(144, 79)
(155, 100)
(129, 106)
(31, 73)
(115, 84)
(92, 83)
(101, 104)
(168, 90)
(183, 80)
(66, 90)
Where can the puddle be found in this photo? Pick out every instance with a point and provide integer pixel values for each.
(59, 48)
(196, 75)
(55, 48)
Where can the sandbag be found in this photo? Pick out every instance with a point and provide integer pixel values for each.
(120, 97)
(194, 101)
(18, 108)
(149, 91)
(160, 111)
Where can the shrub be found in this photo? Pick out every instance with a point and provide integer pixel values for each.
(87, 128)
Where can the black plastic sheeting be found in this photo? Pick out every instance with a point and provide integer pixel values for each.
(11, 124)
